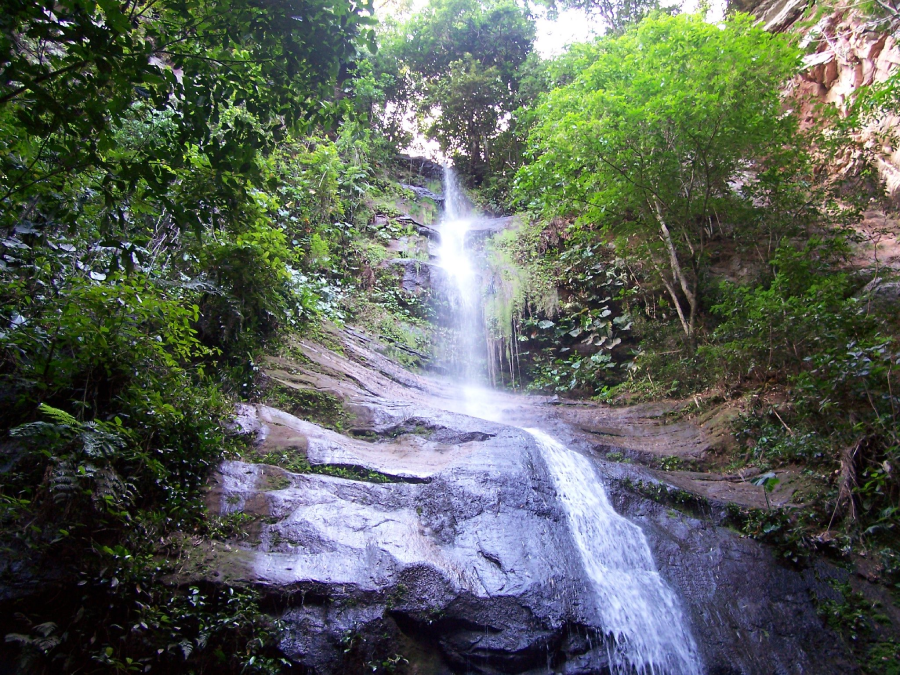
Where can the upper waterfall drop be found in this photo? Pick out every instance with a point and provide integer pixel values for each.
(466, 355)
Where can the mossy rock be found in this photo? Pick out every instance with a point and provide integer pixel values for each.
(314, 405)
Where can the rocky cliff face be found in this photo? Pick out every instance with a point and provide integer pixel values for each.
(435, 542)
(847, 51)
(851, 54)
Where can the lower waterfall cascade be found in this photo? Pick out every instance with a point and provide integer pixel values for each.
(640, 613)
(645, 629)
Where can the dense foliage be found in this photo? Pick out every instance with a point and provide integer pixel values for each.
(186, 183)
(675, 195)
(653, 132)
(166, 182)
(469, 65)
(616, 15)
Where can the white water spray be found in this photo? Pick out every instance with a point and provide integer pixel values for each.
(639, 612)
(465, 297)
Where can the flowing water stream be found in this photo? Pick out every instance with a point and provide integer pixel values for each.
(646, 632)
(640, 613)
(465, 356)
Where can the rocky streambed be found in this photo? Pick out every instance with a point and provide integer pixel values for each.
(416, 538)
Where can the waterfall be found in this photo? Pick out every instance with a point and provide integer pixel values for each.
(640, 615)
(466, 354)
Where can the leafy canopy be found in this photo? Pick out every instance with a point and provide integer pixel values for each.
(75, 73)
(615, 14)
(497, 33)
(671, 110)
(466, 60)
(654, 133)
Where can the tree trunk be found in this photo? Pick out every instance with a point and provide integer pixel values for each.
(688, 323)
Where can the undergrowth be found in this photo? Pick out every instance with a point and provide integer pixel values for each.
(863, 625)
(320, 407)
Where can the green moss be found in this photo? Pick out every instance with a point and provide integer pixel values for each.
(373, 252)
(396, 596)
(295, 461)
(319, 407)
(673, 463)
(327, 334)
(520, 283)
(684, 501)
(231, 526)
(858, 620)
(387, 207)
(274, 483)
(787, 530)
(400, 321)
(883, 658)
(425, 211)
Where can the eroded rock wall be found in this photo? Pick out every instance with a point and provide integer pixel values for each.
(847, 51)
(852, 53)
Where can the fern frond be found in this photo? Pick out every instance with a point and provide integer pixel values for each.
(65, 479)
(109, 488)
(58, 416)
(98, 442)
(45, 629)
(39, 429)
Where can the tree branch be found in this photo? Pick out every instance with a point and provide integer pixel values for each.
(6, 98)
(675, 264)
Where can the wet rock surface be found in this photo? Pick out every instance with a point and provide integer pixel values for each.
(750, 613)
(484, 228)
(421, 166)
(657, 432)
(455, 554)
(423, 193)
(415, 276)
(466, 553)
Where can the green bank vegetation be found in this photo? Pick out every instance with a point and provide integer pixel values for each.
(183, 183)
(664, 155)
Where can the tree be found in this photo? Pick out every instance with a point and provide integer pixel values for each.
(72, 73)
(496, 33)
(464, 57)
(654, 137)
(382, 89)
(122, 124)
(471, 100)
(616, 15)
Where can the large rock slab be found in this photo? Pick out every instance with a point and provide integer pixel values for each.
(751, 613)
(467, 553)
(463, 561)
